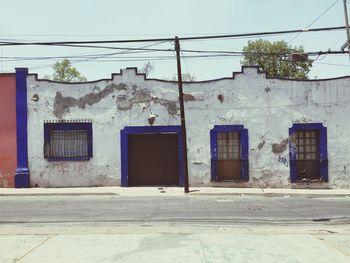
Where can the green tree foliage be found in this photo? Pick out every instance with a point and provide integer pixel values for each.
(65, 72)
(274, 58)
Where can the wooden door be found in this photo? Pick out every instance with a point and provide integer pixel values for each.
(228, 163)
(153, 159)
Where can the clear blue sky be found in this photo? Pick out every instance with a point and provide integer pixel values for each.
(62, 20)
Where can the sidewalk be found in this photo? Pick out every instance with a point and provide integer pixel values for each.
(173, 243)
(175, 191)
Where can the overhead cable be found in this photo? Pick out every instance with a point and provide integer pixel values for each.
(314, 21)
(63, 43)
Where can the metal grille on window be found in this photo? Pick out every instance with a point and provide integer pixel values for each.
(67, 144)
(228, 162)
(307, 154)
(307, 146)
(228, 146)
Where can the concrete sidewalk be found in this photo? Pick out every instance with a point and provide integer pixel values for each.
(175, 191)
(172, 243)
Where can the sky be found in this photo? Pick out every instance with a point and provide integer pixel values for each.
(84, 20)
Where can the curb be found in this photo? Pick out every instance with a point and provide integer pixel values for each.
(174, 191)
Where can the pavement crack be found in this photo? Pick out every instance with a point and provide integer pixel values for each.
(201, 247)
(34, 248)
(332, 246)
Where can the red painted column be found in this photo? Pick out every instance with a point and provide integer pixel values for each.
(8, 150)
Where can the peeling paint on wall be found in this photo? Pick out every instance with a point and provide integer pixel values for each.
(144, 97)
(303, 119)
(124, 103)
(141, 95)
(267, 178)
(62, 104)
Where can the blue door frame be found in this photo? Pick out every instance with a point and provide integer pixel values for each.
(244, 149)
(323, 149)
(147, 130)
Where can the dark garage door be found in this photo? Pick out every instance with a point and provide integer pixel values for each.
(153, 159)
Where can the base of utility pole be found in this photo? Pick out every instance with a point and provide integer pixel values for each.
(182, 115)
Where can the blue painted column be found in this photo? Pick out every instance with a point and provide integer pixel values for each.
(22, 172)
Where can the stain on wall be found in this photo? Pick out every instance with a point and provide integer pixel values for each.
(261, 145)
(189, 97)
(280, 147)
(170, 105)
(221, 98)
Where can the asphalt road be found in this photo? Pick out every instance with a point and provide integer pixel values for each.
(182, 209)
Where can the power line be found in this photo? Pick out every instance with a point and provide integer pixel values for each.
(333, 64)
(208, 53)
(63, 43)
(317, 18)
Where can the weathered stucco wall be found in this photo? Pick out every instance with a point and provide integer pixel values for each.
(7, 129)
(266, 107)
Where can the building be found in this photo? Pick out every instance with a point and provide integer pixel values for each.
(247, 130)
(7, 129)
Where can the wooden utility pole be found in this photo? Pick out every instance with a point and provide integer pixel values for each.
(182, 114)
(347, 25)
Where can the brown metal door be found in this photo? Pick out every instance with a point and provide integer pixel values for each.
(308, 157)
(228, 163)
(153, 159)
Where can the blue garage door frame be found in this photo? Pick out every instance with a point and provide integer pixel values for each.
(124, 133)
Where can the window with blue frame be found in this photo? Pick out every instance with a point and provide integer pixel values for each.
(308, 152)
(229, 153)
(68, 141)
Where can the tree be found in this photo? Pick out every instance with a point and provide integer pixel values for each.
(185, 77)
(147, 68)
(274, 58)
(65, 72)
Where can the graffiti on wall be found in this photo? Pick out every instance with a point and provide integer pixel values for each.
(283, 160)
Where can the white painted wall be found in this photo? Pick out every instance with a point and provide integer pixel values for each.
(266, 107)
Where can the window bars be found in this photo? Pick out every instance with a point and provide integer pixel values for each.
(67, 144)
(67, 141)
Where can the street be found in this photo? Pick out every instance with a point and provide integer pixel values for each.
(173, 209)
(113, 228)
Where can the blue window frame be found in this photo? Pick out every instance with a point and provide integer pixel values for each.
(68, 141)
(144, 130)
(323, 155)
(244, 149)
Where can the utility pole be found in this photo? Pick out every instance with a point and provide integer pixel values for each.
(347, 25)
(182, 114)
